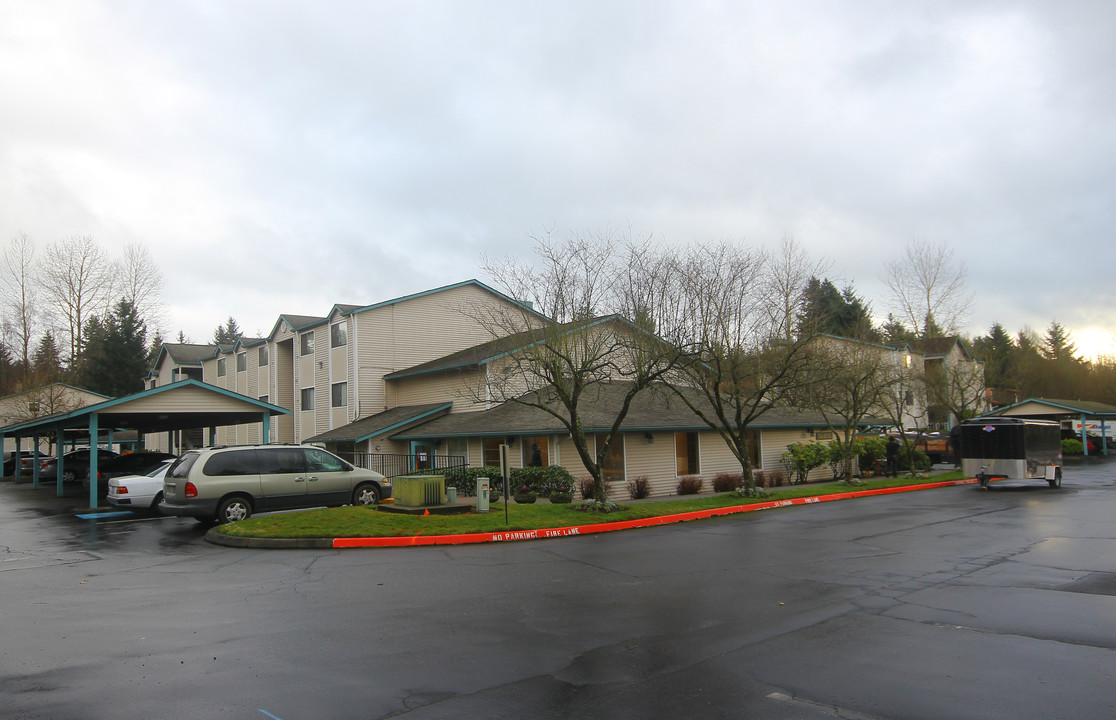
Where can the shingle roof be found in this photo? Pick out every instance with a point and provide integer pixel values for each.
(652, 410)
(396, 419)
(492, 349)
(189, 354)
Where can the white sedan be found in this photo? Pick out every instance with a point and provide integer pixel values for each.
(139, 491)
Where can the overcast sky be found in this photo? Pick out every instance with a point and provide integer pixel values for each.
(280, 157)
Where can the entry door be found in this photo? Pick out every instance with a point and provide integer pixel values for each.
(423, 453)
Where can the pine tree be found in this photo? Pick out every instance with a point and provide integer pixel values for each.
(115, 357)
(228, 333)
(46, 364)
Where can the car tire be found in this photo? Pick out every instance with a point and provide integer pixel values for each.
(366, 494)
(233, 509)
(155, 502)
(68, 476)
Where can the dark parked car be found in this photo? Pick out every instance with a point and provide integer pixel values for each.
(26, 462)
(75, 464)
(133, 463)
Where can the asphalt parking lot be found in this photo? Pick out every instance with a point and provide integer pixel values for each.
(950, 603)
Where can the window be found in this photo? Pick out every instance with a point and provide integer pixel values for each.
(263, 398)
(306, 343)
(613, 464)
(339, 394)
(686, 453)
(235, 462)
(221, 370)
(281, 460)
(33, 407)
(321, 461)
(242, 362)
(263, 356)
(492, 451)
(753, 440)
(536, 451)
(338, 335)
(307, 398)
(458, 447)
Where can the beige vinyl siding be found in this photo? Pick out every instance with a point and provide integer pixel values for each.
(405, 334)
(655, 460)
(456, 387)
(284, 388)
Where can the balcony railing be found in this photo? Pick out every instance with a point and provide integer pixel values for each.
(394, 465)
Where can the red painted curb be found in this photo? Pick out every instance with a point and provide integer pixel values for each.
(516, 535)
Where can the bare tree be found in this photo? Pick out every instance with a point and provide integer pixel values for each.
(141, 283)
(744, 363)
(786, 279)
(78, 283)
(569, 353)
(20, 294)
(927, 289)
(958, 388)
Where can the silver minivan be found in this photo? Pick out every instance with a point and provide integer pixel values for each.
(231, 483)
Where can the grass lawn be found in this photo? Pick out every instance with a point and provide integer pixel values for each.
(369, 522)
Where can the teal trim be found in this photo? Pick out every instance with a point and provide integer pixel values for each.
(94, 451)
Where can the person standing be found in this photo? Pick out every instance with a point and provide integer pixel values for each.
(891, 452)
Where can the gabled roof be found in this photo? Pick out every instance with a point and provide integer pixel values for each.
(444, 288)
(494, 349)
(939, 346)
(655, 410)
(186, 353)
(41, 388)
(1049, 406)
(394, 420)
(297, 323)
(179, 405)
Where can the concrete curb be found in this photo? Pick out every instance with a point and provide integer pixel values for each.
(218, 538)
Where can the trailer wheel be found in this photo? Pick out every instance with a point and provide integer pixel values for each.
(983, 480)
(1057, 481)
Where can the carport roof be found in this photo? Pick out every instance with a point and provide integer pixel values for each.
(1047, 407)
(182, 405)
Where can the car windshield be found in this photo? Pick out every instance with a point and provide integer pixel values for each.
(161, 469)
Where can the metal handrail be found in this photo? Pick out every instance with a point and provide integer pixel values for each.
(392, 465)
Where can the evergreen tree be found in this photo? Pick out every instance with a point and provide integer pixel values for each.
(995, 350)
(1057, 345)
(115, 355)
(228, 333)
(9, 371)
(895, 333)
(153, 351)
(829, 311)
(46, 364)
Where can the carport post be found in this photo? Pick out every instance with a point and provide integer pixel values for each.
(35, 463)
(212, 435)
(60, 441)
(94, 431)
(1084, 435)
(16, 467)
(266, 428)
(109, 444)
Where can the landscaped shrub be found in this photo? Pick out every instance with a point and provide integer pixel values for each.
(775, 478)
(587, 488)
(727, 482)
(639, 487)
(558, 498)
(1072, 447)
(914, 460)
(690, 485)
(759, 478)
(872, 450)
(540, 480)
(801, 458)
(543, 480)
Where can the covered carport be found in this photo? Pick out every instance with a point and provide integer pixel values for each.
(1060, 410)
(183, 405)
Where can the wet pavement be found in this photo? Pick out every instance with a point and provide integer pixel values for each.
(950, 603)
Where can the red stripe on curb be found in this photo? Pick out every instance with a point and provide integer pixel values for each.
(517, 535)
